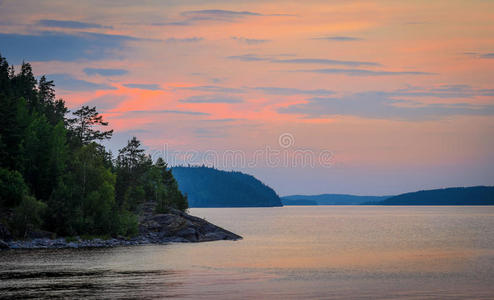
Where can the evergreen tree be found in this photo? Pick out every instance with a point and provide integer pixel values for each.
(82, 126)
(131, 166)
(24, 85)
(54, 175)
(54, 110)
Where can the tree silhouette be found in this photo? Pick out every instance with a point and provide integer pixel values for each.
(83, 125)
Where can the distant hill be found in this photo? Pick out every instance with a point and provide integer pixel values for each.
(209, 187)
(329, 199)
(478, 195)
(299, 202)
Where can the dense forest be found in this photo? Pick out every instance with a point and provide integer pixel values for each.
(56, 176)
(329, 199)
(478, 195)
(209, 187)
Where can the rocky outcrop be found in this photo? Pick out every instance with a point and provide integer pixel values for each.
(177, 226)
(172, 227)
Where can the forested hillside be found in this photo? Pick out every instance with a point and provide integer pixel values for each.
(478, 195)
(56, 176)
(209, 187)
(329, 199)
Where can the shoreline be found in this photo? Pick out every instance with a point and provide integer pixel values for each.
(154, 229)
(62, 243)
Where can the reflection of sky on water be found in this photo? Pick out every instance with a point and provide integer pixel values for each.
(294, 252)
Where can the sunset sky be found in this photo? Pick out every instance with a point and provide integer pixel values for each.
(401, 93)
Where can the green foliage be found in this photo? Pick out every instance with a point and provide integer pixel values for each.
(127, 224)
(86, 194)
(82, 126)
(131, 166)
(35, 151)
(12, 188)
(54, 175)
(138, 179)
(163, 189)
(28, 215)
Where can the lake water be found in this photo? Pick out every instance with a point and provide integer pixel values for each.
(326, 252)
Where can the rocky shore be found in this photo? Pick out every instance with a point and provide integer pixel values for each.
(172, 227)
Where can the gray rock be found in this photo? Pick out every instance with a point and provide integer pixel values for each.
(59, 243)
(189, 234)
(177, 226)
(179, 240)
(72, 245)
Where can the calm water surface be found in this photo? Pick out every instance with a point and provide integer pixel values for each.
(327, 252)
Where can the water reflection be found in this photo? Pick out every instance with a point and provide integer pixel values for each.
(90, 284)
(298, 252)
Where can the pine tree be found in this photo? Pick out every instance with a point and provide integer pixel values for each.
(82, 126)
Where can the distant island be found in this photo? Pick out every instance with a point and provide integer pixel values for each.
(210, 187)
(329, 199)
(477, 195)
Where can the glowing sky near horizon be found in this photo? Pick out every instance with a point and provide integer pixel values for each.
(400, 92)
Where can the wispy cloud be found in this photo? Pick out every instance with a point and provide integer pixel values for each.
(212, 88)
(292, 91)
(105, 72)
(184, 40)
(218, 14)
(68, 83)
(319, 61)
(225, 120)
(193, 17)
(362, 72)
(339, 38)
(143, 86)
(165, 111)
(248, 57)
(211, 99)
(69, 24)
(249, 41)
(487, 92)
(442, 92)
(172, 23)
(480, 55)
(382, 105)
(58, 46)
(266, 90)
